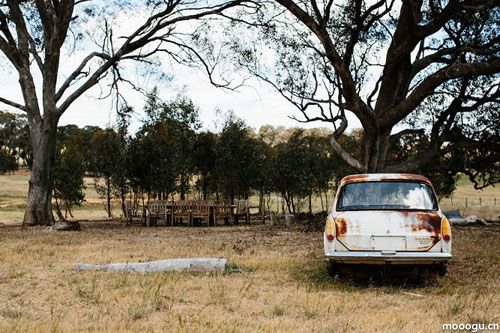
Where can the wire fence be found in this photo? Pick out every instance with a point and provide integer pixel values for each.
(470, 202)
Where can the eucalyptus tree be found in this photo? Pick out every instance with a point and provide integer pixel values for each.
(203, 157)
(107, 161)
(293, 176)
(181, 116)
(7, 162)
(14, 136)
(236, 159)
(69, 171)
(151, 160)
(399, 67)
(35, 37)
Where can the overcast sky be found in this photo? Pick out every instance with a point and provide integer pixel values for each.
(256, 103)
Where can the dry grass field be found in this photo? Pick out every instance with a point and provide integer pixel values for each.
(484, 203)
(13, 191)
(282, 287)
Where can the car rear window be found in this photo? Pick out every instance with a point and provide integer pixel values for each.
(386, 195)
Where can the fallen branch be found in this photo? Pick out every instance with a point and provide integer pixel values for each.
(187, 264)
(64, 226)
(468, 220)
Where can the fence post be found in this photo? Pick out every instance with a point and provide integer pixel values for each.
(466, 202)
(479, 201)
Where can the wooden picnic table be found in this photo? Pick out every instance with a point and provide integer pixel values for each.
(193, 211)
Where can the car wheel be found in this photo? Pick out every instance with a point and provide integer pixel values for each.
(332, 268)
(441, 269)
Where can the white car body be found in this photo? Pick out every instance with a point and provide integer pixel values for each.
(391, 235)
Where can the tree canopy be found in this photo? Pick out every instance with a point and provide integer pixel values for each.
(426, 68)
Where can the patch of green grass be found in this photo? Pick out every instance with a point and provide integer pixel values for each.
(15, 273)
(454, 309)
(11, 313)
(138, 312)
(87, 289)
(278, 311)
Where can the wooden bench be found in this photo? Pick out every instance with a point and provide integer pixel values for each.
(242, 209)
(181, 211)
(195, 211)
(133, 212)
(159, 210)
(223, 210)
(202, 211)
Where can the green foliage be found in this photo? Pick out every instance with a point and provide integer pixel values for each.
(181, 117)
(81, 138)
(68, 175)
(303, 166)
(86, 134)
(107, 158)
(160, 157)
(105, 151)
(237, 157)
(203, 157)
(151, 159)
(14, 136)
(7, 162)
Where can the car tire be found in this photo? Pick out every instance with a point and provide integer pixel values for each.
(332, 268)
(442, 269)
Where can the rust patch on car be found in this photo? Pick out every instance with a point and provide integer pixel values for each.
(431, 222)
(384, 177)
(340, 227)
(405, 213)
(354, 179)
(406, 176)
(419, 178)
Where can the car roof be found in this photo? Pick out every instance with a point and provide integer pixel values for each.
(378, 177)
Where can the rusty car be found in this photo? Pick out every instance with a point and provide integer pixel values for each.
(387, 219)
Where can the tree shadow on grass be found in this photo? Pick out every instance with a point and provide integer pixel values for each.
(107, 224)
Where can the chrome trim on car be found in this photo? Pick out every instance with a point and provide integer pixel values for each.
(397, 258)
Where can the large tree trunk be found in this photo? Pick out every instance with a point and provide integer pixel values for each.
(375, 145)
(38, 204)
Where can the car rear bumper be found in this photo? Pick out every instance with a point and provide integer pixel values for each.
(381, 258)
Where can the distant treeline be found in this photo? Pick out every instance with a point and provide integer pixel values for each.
(170, 156)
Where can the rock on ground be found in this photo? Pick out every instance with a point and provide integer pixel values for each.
(187, 264)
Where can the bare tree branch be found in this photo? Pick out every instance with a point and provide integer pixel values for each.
(13, 104)
(142, 36)
(78, 71)
(345, 155)
(433, 81)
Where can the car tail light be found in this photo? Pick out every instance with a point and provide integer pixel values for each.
(330, 229)
(446, 229)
